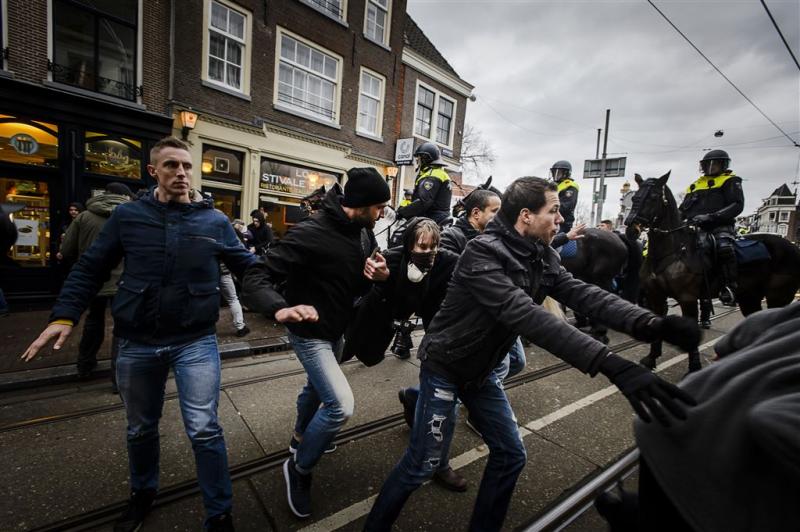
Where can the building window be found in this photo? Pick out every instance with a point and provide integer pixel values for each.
(432, 104)
(332, 8)
(3, 46)
(226, 46)
(772, 217)
(377, 21)
(308, 78)
(227, 201)
(94, 45)
(28, 141)
(113, 156)
(784, 216)
(32, 219)
(370, 104)
(221, 164)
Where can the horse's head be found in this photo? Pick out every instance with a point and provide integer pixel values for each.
(649, 204)
(313, 202)
(459, 209)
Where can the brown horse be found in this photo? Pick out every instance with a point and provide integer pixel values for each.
(675, 265)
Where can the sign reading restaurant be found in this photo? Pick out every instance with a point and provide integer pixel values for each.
(296, 180)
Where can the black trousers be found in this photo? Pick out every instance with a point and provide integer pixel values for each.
(94, 329)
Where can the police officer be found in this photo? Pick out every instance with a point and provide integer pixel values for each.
(561, 173)
(407, 195)
(713, 202)
(432, 190)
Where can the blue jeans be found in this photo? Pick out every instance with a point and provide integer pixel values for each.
(490, 412)
(141, 374)
(513, 363)
(318, 425)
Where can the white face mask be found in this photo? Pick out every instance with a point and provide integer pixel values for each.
(414, 274)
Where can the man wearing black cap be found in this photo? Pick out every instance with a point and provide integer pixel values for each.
(326, 263)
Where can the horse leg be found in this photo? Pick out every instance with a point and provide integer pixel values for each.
(706, 310)
(689, 310)
(658, 304)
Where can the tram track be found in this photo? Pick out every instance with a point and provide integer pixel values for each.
(273, 460)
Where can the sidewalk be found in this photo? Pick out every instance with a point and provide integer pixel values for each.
(19, 329)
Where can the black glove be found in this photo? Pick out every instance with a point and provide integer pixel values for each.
(647, 392)
(677, 330)
(702, 219)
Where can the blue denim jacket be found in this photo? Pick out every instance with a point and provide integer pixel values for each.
(169, 290)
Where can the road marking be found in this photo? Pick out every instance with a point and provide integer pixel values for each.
(355, 511)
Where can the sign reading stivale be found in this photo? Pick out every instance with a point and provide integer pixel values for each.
(296, 180)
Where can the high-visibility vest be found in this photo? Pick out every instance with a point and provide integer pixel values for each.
(708, 182)
(565, 184)
(433, 171)
(405, 202)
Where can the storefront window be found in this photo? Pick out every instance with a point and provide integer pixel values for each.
(28, 141)
(289, 179)
(113, 156)
(32, 198)
(227, 201)
(220, 164)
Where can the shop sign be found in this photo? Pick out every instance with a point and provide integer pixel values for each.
(24, 144)
(404, 151)
(290, 179)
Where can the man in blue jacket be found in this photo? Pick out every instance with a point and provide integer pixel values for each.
(165, 313)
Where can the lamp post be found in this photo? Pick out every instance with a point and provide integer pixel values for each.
(188, 121)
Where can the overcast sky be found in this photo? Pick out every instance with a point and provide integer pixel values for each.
(546, 71)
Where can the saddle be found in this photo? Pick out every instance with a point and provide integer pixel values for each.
(748, 251)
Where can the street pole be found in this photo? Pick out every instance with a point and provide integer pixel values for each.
(600, 198)
(594, 181)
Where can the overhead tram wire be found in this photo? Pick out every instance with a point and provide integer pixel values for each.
(794, 142)
(547, 134)
(786, 44)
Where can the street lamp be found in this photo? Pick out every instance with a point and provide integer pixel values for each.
(188, 121)
(718, 133)
(391, 173)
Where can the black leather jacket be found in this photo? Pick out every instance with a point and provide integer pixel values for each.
(495, 295)
(724, 203)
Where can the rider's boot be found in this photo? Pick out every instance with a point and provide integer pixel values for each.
(727, 295)
(706, 309)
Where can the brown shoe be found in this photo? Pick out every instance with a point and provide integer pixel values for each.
(450, 479)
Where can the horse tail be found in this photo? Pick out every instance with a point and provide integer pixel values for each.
(631, 280)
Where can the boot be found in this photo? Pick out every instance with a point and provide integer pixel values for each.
(401, 347)
(706, 309)
(727, 295)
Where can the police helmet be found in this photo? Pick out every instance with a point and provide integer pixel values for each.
(715, 155)
(429, 155)
(564, 166)
(408, 192)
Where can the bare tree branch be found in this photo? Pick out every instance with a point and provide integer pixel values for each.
(477, 155)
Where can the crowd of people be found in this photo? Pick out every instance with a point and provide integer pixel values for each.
(479, 287)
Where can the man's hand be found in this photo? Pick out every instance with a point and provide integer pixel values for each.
(577, 231)
(677, 330)
(702, 219)
(59, 331)
(296, 314)
(376, 269)
(648, 394)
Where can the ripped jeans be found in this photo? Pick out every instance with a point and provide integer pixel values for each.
(434, 422)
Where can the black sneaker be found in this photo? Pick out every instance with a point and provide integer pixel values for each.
(298, 489)
(138, 507)
(727, 297)
(409, 407)
(294, 443)
(221, 523)
(244, 331)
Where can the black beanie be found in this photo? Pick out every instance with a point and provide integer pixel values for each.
(119, 189)
(365, 187)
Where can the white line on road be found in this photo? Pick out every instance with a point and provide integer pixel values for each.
(362, 508)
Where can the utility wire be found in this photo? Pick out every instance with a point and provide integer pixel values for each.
(794, 142)
(786, 44)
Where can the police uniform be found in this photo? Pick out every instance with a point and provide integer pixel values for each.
(432, 196)
(718, 200)
(568, 198)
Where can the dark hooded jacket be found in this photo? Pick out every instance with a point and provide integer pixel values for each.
(734, 464)
(84, 230)
(369, 334)
(495, 295)
(321, 262)
(455, 237)
(169, 290)
(261, 235)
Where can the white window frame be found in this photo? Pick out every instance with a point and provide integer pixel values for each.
(435, 115)
(337, 91)
(378, 134)
(4, 30)
(246, 42)
(784, 216)
(387, 27)
(314, 4)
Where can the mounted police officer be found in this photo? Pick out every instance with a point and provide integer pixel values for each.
(712, 203)
(561, 173)
(432, 189)
(407, 195)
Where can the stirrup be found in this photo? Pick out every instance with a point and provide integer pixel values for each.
(727, 297)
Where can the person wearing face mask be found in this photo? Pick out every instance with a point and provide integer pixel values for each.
(326, 262)
(495, 295)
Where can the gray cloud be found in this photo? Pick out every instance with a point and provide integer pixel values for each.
(545, 72)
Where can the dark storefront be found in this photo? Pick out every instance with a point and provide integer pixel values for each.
(282, 185)
(55, 148)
